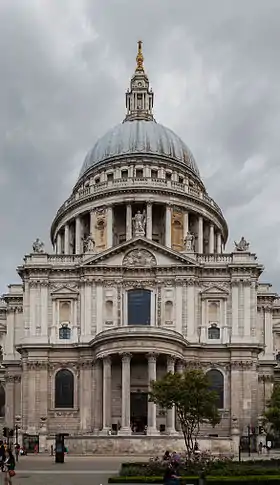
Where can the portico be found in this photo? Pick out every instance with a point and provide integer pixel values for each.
(124, 388)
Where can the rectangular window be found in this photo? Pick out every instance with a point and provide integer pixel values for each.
(168, 176)
(110, 177)
(139, 307)
(139, 173)
(124, 174)
(154, 174)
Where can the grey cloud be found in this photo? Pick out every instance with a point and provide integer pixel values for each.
(65, 67)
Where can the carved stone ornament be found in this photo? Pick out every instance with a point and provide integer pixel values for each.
(38, 246)
(89, 244)
(189, 243)
(139, 257)
(243, 245)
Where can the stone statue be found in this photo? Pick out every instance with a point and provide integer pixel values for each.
(88, 244)
(139, 223)
(38, 246)
(243, 245)
(189, 243)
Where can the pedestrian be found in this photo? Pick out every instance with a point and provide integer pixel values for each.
(8, 467)
(268, 446)
(260, 448)
(171, 475)
(2, 452)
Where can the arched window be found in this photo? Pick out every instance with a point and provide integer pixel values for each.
(2, 401)
(139, 307)
(214, 333)
(168, 311)
(64, 389)
(216, 380)
(64, 333)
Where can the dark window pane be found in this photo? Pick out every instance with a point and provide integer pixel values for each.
(64, 389)
(139, 307)
(64, 333)
(216, 380)
(2, 401)
(214, 333)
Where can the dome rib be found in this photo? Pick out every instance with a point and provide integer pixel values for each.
(139, 136)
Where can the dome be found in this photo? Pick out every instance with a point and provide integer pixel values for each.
(139, 137)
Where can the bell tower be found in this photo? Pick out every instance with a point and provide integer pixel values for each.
(139, 98)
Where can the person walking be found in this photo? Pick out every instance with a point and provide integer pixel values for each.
(8, 467)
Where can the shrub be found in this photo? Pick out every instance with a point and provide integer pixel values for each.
(242, 480)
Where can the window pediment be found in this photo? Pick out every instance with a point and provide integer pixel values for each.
(64, 293)
(214, 292)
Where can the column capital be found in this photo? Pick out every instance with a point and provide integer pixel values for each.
(152, 357)
(125, 356)
(107, 359)
(171, 359)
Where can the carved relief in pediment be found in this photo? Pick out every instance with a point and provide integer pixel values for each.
(139, 257)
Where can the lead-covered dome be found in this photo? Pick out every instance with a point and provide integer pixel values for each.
(139, 136)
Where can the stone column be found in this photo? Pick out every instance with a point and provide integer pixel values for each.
(107, 406)
(66, 239)
(85, 383)
(97, 397)
(109, 227)
(78, 236)
(168, 226)
(128, 222)
(219, 243)
(10, 401)
(211, 239)
(200, 235)
(170, 417)
(186, 224)
(149, 227)
(58, 243)
(126, 429)
(44, 309)
(152, 408)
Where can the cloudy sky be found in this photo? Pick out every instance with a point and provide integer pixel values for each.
(214, 67)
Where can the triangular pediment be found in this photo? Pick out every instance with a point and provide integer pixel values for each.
(64, 291)
(140, 252)
(213, 291)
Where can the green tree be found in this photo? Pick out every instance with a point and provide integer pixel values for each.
(272, 413)
(194, 401)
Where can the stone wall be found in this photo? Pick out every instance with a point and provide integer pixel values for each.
(143, 445)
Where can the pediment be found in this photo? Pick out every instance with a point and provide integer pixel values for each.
(64, 291)
(214, 291)
(140, 252)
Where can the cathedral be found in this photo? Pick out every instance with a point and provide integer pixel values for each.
(139, 283)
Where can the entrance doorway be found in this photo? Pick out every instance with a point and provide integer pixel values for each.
(139, 411)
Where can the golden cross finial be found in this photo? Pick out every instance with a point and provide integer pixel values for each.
(140, 58)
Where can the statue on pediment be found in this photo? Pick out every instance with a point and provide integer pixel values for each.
(243, 245)
(139, 223)
(89, 244)
(189, 243)
(38, 246)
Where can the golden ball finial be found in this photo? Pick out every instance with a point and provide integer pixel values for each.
(139, 57)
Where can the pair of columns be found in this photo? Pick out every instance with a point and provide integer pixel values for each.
(126, 389)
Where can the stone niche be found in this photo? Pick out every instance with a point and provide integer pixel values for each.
(177, 230)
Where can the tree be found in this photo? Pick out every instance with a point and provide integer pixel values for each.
(272, 414)
(194, 401)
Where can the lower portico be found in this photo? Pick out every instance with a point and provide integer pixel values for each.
(126, 378)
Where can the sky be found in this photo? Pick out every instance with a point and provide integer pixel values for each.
(214, 67)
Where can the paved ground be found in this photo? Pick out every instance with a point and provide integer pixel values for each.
(77, 470)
